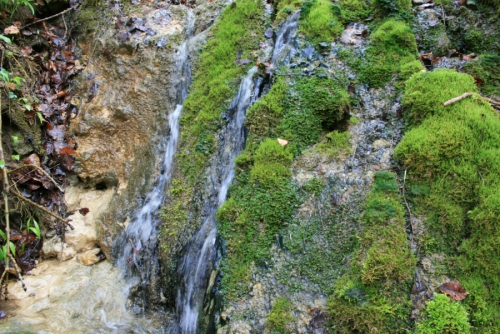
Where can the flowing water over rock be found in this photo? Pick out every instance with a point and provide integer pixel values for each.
(139, 258)
(199, 258)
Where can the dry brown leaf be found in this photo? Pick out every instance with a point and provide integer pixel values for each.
(454, 289)
(12, 30)
(282, 142)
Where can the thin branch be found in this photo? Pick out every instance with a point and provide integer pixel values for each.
(456, 99)
(47, 18)
(18, 270)
(491, 101)
(464, 95)
(40, 169)
(5, 195)
(38, 206)
(408, 207)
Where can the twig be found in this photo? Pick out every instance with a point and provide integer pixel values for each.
(18, 195)
(464, 95)
(491, 101)
(65, 28)
(40, 169)
(47, 18)
(6, 189)
(19, 275)
(481, 177)
(408, 207)
(445, 174)
(456, 99)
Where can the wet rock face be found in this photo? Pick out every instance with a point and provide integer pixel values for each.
(315, 249)
(354, 34)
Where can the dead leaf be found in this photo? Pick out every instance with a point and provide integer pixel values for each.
(454, 289)
(282, 142)
(26, 51)
(67, 150)
(12, 30)
(84, 211)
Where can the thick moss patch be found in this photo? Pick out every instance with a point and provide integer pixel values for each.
(452, 155)
(391, 46)
(374, 295)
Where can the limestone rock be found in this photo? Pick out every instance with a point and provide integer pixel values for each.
(89, 257)
(354, 34)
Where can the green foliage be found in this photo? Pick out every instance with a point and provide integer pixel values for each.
(12, 5)
(265, 115)
(392, 8)
(280, 316)
(373, 297)
(487, 68)
(318, 21)
(441, 315)
(455, 151)
(391, 46)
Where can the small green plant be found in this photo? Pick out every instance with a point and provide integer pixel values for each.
(35, 228)
(280, 316)
(13, 5)
(441, 315)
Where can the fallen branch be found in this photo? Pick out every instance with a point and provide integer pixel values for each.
(456, 99)
(40, 169)
(47, 18)
(491, 101)
(464, 95)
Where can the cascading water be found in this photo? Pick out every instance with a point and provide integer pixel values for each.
(199, 257)
(138, 243)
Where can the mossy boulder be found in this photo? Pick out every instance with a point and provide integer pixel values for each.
(391, 46)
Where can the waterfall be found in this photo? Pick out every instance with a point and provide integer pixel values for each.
(198, 260)
(138, 243)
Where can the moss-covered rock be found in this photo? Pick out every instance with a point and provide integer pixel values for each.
(453, 151)
(391, 46)
(373, 296)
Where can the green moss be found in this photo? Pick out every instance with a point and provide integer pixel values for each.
(314, 186)
(335, 144)
(285, 8)
(215, 82)
(352, 10)
(391, 46)
(487, 69)
(455, 152)
(318, 21)
(271, 164)
(326, 97)
(392, 8)
(420, 102)
(373, 296)
(441, 315)
(280, 316)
